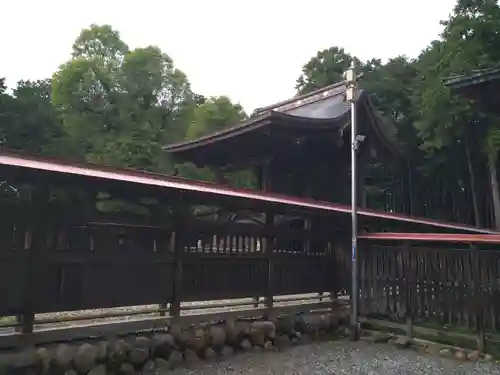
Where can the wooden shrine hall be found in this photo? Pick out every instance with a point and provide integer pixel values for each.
(301, 146)
(481, 86)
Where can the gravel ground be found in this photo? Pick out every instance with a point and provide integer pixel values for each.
(338, 358)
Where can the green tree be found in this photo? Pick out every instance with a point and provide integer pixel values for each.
(119, 107)
(467, 42)
(216, 114)
(28, 121)
(326, 68)
(213, 115)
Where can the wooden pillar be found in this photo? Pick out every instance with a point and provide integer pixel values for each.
(178, 242)
(265, 186)
(266, 176)
(307, 223)
(408, 272)
(361, 188)
(269, 245)
(220, 178)
(35, 244)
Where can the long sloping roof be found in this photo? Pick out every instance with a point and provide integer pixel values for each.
(43, 167)
(321, 108)
(473, 78)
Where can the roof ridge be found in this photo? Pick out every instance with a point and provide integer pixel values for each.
(302, 97)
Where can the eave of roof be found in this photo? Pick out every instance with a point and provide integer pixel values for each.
(42, 165)
(273, 113)
(251, 124)
(474, 78)
(288, 113)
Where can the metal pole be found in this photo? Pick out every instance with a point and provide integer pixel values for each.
(350, 77)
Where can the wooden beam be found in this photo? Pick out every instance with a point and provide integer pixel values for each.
(429, 237)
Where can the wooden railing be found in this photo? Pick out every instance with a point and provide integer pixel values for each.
(64, 267)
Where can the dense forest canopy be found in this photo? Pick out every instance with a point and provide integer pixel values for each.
(113, 105)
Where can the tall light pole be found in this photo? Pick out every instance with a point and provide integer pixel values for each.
(350, 96)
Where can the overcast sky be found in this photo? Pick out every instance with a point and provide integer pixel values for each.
(251, 51)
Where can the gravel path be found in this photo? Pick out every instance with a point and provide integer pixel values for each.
(340, 358)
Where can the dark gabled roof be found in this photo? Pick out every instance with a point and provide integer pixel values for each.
(41, 168)
(247, 126)
(473, 78)
(322, 108)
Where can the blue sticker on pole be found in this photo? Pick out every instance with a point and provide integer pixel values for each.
(353, 253)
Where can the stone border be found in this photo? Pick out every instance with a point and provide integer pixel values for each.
(152, 352)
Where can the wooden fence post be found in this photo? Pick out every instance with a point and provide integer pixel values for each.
(479, 297)
(159, 217)
(35, 243)
(408, 273)
(269, 252)
(178, 243)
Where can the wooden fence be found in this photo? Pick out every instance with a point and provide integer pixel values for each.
(59, 266)
(443, 281)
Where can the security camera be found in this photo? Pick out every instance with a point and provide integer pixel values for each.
(360, 137)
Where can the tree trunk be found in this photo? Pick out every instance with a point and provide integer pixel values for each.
(494, 189)
(472, 175)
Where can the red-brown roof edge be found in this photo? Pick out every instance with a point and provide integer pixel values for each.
(11, 158)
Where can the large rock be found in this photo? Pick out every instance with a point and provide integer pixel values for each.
(44, 359)
(141, 345)
(474, 356)
(175, 359)
(333, 321)
(460, 355)
(85, 357)
(342, 314)
(126, 368)
(63, 356)
(98, 370)
(117, 352)
(268, 327)
(402, 342)
(149, 368)
(209, 354)
(218, 337)
(257, 336)
(162, 366)
(102, 350)
(197, 339)
(192, 356)
(25, 359)
(246, 344)
(162, 344)
(285, 325)
(313, 323)
(181, 336)
(138, 356)
(142, 342)
(445, 353)
(236, 331)
(226, 352)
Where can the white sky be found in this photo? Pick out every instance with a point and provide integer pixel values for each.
(251, 51)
